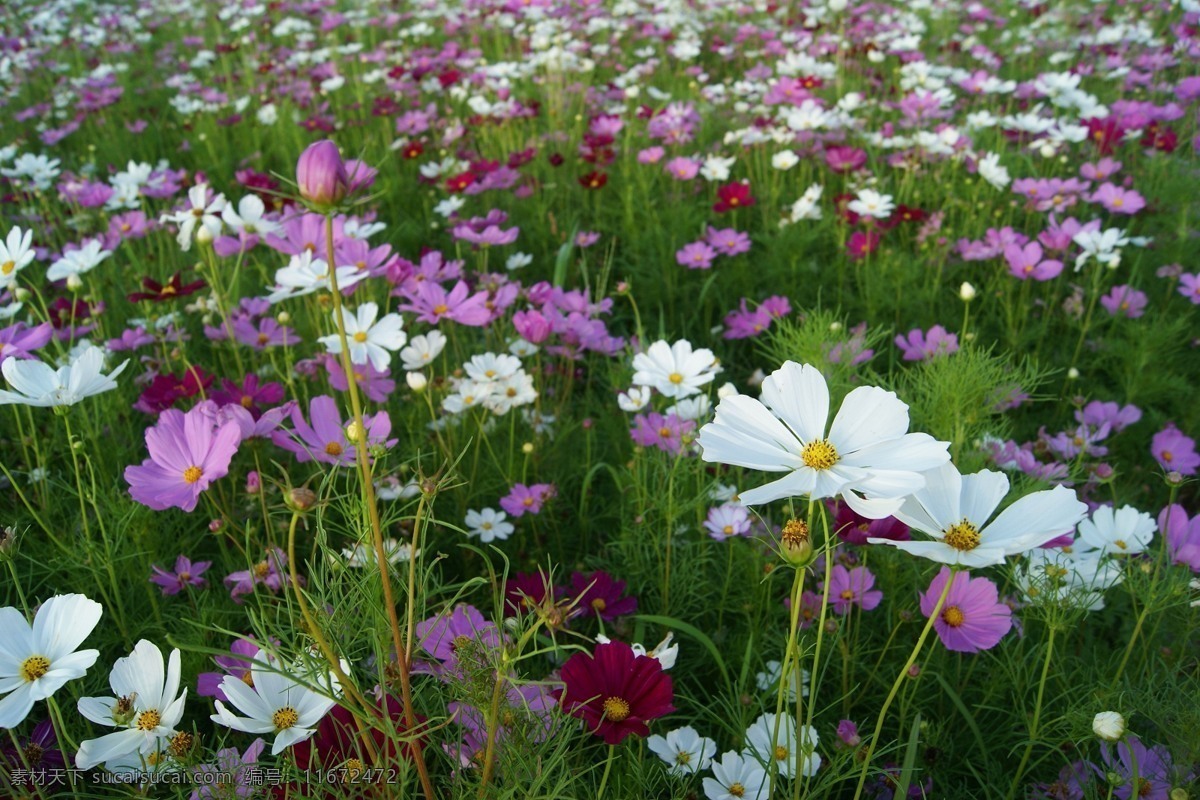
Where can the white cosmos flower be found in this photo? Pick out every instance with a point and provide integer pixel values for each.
(248, 218)
(1068, 576)
(955, 509)
(144, 707)
(492, 367)
(36, 660)
(675, 370)
(363, 555)
(762, 743)
(77, 262)
(1118, 532)
(635, 399)
(684, 750)
(867, 451)
(422, 350)
(870, 203)
(202, 214)
(368, 340)
(488, 524)
(736, 777)
(16, 252)
(279, 703)
(992, 171)
(38, 384)
(305, 275)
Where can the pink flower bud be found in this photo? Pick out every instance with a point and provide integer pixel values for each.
(321, 174)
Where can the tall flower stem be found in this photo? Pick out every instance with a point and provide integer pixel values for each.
(368, 490)
(937, 609)
(791, 661)
(1037, 714)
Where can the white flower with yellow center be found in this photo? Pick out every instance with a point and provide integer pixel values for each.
(1125, 531)
(867, 457)
(368, 339)
(422, 350)
(684, 750)
(954, 509)
(16, 252)
(144, 707)
(675, 370)
(305, 275)
(276, 702)
(488, 524)
(36, 660)
(772, 738)
(38, 384)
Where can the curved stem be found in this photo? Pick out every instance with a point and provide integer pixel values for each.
(937, 609)
(1037, 714)
(608, 762)
(368, 490)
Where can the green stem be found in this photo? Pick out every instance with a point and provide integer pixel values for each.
(1037, 713)
(608, 762)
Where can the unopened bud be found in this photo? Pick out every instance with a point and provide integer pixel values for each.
(283, 318)
(1108, 725)
(966, 292)
(354, 432)
(301, 499)
(795, 545)
(321, 175)
(74, 282)
(527, 448)
(416, 381)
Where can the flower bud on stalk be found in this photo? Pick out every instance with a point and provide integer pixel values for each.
(321, 174)
(795, 545)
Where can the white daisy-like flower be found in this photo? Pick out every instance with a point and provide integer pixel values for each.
(422, 350)
(518, 261)
(489, 525)
(38, 384)
(1069, 576)
(368, 339)
(145, 707)
(675, 370)
(768, 680)
(203, 215)
(785, 160)
(305, 275)
(992, 171)
(279, 703)
(16, 252)
(635, 399)
(716, 168)
(954, 509)
(736, 777)
(77, 262)
(249, 216)
(1123, 531)
(363, 555)
(492, 367)
(763, 743)
(684, 750)
(510, 392)
(870, 203)
(867, 457)
(467, 394)
(37, 660)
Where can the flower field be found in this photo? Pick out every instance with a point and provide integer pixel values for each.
(631, 399)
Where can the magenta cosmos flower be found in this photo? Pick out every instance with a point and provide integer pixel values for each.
(1182, 536)
(972, 618)
(615, 691)
(600, 595)
(1174, 451)
(325, 440)
(187, 573)
(853, 587)
(186, 454)
(321, 174)
(524, 499)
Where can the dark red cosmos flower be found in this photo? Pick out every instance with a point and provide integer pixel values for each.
(593, 180)
(249, 394)
(733, 195)
(526, 591)
(615, 691)
(600, 595)
(159, 292)
(165, 390)
(460, 182)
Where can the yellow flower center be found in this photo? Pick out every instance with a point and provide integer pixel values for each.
(599, 605)
(34, 667)
(675, 377)
(192, 474)
(683, 757)
(333, 449)
(148, 720)
(616, 709)
(360, 337)
(284, 718)
(736, 789)
(7, 267)
(819, 454)
(962, 536)
(261, 569)
(353, 766)
(781, 752)
(441, 308)
(1121, 544)
(952, 616)
(847, 594)
(248, 678)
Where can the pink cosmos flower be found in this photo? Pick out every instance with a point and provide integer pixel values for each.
(187, 453)
(1189, 286)
(432, 303)
(1117, 200)
(853, 587)
(727, 241)
(682, 169)
(726, 520)
(972, 618)
(1174, 451)
(1124, 301)
(271, 572)
(664, 432)
(1182, 536)
(186, 574)
(697, 255)
(524, 499)
(19, 340)
(1026, 262)
(921, 346)
(325, 439)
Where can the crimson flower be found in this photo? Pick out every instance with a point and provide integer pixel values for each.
(733, 195)
(615, 691)
(159, 292)
(593, 180)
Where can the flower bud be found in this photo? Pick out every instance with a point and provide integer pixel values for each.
(301, 499)
(283, 318)
(728, 390)
(321, 174)
(354, 431)
(416, 381)
(1108, 725)
(204, 235)
(74, 282)
(795, 545)
(527, 448)
(966, 292)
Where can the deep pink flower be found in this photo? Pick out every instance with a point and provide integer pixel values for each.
(325, 439)
(600, 595)
(861, 244)
(853, 587)
(852, 528)
(733, 196)
(1026, 262)
(524, 499)
(664, 432)
(1182, 536)
(271, 572)
(186, 574)
(845, 159)
(321, 174)
(1174, 451)
(615, 691)
(186, 454)
(972, 618)
(250, 394)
